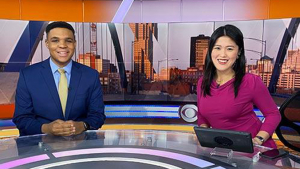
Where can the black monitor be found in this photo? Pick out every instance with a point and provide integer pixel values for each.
(234, 140)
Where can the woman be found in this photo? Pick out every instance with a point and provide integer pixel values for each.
(226, 94)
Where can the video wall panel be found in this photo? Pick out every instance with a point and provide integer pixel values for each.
(162, 61)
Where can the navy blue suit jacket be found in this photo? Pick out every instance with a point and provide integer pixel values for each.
(37, 101)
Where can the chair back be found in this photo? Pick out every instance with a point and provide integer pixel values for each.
(288, 130)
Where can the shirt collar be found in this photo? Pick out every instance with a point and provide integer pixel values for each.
(54, 67)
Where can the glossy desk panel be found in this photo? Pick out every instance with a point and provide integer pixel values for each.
(121, 148)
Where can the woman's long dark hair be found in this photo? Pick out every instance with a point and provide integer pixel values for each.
(239, 67)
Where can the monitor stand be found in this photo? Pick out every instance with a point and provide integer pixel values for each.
(223, 152)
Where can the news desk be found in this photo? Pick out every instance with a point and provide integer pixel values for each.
(111, 149)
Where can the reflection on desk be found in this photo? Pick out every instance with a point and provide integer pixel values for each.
(122, 148)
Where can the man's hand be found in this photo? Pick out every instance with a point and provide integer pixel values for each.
(78, 125)
(59, 128)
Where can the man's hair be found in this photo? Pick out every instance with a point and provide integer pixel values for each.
(59, 24)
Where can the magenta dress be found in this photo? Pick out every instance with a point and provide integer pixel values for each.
(222, 110)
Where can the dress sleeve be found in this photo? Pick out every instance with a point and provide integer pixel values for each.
(201, 119)
(265, 103)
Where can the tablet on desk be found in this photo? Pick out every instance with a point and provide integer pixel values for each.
(234, 140)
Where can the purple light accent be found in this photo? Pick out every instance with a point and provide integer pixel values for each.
(180, 157)
(23, 161)
(122, 11)
(218, 167)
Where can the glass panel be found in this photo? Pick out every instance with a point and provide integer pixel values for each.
(158, 57)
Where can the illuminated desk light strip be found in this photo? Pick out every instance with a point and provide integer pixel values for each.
(4, 123)
(141, 111)
(140, 116)
(141, 108)
(145, 111)
(141, 105)
(16, 163)
(180, 157)
(110, 159)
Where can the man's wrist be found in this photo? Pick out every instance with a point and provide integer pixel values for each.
(86, 126)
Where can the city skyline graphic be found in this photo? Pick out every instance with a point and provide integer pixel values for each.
(163, 61)
(145, 78)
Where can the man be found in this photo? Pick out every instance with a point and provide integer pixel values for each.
(58, 96)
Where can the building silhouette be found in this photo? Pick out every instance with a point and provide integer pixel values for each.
(199, 47)
(95, 62)
(143, 48)
(289, 79)
(108, 73)
(187, 79)
(265, 69)
(114, 83)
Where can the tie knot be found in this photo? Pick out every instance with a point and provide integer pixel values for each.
(61, 71)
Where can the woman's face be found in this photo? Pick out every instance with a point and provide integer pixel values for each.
(224, 54)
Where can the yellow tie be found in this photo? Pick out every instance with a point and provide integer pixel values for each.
(63, 89)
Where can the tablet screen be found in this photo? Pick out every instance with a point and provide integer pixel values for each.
(235, 140)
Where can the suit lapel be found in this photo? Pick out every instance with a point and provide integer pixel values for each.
(49, 79)
(74, 82)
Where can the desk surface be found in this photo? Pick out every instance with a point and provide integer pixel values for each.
(146, 149)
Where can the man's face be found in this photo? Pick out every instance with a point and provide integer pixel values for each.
(61, 45)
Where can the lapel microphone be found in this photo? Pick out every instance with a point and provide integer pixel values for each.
(218, 86)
